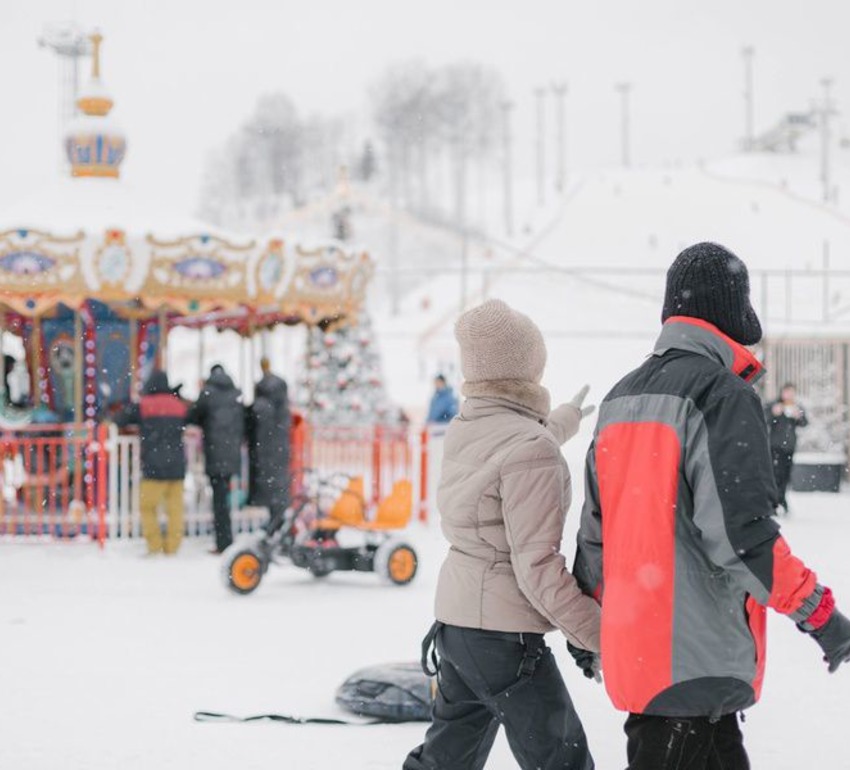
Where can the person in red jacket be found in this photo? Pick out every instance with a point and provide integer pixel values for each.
(678, 539)
(161, 417)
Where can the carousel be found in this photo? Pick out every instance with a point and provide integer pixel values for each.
(93, 277)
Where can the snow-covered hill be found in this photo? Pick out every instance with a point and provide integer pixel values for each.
(593, 276)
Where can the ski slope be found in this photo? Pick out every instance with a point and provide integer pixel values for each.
(106, 656)
(591, 271)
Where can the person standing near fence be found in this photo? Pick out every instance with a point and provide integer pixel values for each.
(161, 417)
(267, 430)
(220, 414)
(784, 416)
(443, 406)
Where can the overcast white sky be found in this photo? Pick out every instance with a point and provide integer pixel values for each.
(185, 73)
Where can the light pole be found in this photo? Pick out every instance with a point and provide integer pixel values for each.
(624, 90)
(560, 91)
(748, 52)
(540, 94)
(825, 114)
(459, 147)
(395, 287)
(507, 166)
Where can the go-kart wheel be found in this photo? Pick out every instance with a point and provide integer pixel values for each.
(320, 570)
(242, 569)
(396, 562)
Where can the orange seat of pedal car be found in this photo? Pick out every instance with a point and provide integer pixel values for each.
(350, 507)
(394, 511)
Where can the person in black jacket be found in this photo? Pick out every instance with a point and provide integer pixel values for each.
(219, 413)
(161, 417)
(267, 429)
(784, 416)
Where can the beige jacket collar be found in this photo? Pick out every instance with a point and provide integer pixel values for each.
(522, 396)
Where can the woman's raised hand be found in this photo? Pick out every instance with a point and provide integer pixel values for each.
(564, 421)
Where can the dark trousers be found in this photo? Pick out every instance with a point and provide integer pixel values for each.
(221, 511)
(695, 743)
(782, 462)
(487, 679)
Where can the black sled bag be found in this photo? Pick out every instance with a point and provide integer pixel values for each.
(393, 692)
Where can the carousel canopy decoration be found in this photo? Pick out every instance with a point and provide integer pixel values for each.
(90, 237)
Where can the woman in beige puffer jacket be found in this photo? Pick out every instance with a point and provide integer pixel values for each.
(503, 497)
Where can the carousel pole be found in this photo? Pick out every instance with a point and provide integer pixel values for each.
(242, 363)
(253, 368)
(3, 359)
(134, 356)
(201, 355)
(35, 357)
(162, 352)
(78, 366)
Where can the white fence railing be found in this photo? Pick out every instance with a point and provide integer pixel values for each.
(125, 475)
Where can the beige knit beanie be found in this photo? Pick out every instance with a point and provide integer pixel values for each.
(498, 343)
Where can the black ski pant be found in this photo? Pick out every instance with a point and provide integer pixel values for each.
(693, 743)
(221, 511)
(782, 463)
(490, 678)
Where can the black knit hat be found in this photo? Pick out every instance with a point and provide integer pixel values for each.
(709, 282)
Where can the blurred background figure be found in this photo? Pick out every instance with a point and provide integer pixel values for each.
(267, 428)
(784, 416)
(17, 383)
(443, 405)
(220, 414)
(161, 417)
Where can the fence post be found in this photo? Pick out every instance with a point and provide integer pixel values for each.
(376, 463)
(102, 478)
(89, 471)
(112, 497)
(423, 475)
(297, 454)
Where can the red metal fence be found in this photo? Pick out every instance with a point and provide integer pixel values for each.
(69, 480)
(53, 481)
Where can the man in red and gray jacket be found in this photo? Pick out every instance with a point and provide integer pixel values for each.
(678, 540)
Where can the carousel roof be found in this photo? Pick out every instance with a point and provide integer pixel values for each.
(90, 236)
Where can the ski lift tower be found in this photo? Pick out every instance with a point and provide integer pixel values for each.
(70, 44)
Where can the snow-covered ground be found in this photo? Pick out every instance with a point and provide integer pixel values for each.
(104, 657)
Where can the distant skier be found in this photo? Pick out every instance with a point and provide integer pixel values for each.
(678, 537)
(443, 405)
(503, 497)
(267, 429)
(784, 416)
(220, 414)
(161, 417)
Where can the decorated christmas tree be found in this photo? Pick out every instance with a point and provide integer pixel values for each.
(341, 383)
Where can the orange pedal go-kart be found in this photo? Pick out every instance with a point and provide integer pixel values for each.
(307, 535)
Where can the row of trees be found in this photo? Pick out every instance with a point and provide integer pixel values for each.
(433, 119)
(273, 161)
(430, 126)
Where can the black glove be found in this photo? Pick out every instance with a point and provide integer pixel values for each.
(587, 661)
(834, 639)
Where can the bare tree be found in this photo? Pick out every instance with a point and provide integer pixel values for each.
(423, 115)
(403, 111)
(275, 160)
